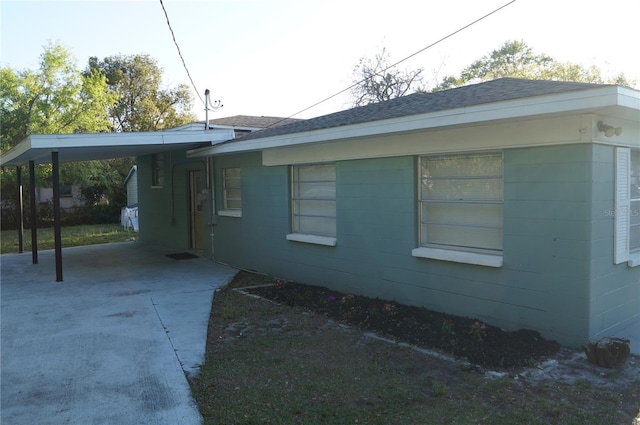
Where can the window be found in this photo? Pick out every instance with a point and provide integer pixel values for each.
(627, 207)
(634, 220)
(313, 204)
(461, 208)
(66, 191)
(231, 192)
(157, 170)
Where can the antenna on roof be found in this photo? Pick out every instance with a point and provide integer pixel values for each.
(215, 105)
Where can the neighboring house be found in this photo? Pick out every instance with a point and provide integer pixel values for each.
(515, 202)
(506, 201)
(131, 183)
(70, 196)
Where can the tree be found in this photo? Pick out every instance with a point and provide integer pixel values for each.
(142, 105)
(56, 98)
(376, 80)
(516, 59)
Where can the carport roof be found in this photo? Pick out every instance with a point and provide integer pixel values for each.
(96, 146)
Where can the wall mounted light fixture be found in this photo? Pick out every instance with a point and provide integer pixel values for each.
(609, 130)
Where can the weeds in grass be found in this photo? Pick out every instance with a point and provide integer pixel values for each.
(71, 236)
(295, 367)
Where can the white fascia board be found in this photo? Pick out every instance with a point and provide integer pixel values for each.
(20, 149)
(53, 141)
(568, 102)
(629, 98)
(40, 145)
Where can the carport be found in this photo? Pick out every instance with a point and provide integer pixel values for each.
(113, 344)
(58, 148)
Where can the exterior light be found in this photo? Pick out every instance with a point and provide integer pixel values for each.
(609, 130)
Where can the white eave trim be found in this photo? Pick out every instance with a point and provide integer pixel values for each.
(568, 102)
(36, 146)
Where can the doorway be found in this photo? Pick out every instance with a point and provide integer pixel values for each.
(197, 197)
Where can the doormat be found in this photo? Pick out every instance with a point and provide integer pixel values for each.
(182, 256)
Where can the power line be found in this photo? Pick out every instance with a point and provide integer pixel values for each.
(400, 61)
(180, 53)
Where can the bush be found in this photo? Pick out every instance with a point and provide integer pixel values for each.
(89, 214)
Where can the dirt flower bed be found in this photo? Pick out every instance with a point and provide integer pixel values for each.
(465, 338)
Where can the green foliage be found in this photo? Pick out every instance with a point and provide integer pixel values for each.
(142, 105)
(517, 60)
(55, 98)
(121, 93)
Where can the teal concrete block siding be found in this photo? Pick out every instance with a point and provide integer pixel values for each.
(615, 289)
(558, 274)
(164, 212)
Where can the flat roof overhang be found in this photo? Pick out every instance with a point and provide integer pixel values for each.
(97, 146)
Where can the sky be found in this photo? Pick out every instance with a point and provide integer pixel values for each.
(280, 57)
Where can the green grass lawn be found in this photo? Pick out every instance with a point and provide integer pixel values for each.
(71, 236)
(272, 364)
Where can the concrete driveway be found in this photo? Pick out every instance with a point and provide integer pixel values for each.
(109, 345)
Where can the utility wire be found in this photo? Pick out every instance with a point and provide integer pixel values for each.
(180, 53)
(400, 61)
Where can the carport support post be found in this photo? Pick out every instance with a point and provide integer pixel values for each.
(32, 204)
(20, 210)
(56, 214)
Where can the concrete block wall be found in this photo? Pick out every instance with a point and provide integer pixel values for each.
(615, 289)
(164, 211)
(545, 280)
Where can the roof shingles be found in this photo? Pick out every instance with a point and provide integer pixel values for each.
(419, 103)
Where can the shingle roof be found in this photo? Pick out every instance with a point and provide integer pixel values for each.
(419, 103)
(251, 121)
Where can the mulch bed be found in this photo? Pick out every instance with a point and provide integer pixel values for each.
(465, 338)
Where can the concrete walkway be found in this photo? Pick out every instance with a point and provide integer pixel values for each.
(109, 345)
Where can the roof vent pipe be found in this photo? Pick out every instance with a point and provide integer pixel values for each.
(215, 105)
(206, 110)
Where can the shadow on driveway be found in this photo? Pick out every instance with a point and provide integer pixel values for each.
(109, 345)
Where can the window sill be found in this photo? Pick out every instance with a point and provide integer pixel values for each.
(634, 260)
(314, 239)
(157, 187)
(458, 256)
(230, 213)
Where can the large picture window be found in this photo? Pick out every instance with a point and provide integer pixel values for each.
(313, 203)
(461, 202)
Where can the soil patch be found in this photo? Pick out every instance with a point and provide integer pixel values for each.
(465, 338)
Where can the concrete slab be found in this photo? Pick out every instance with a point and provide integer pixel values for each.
(112, 343)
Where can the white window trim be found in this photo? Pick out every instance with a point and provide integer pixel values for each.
(313, 239)
(306, 237)
(230, 213)
(622, 216)
(458, 256)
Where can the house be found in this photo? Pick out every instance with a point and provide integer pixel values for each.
(506, 201)
(131, 183)
(515, 202)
